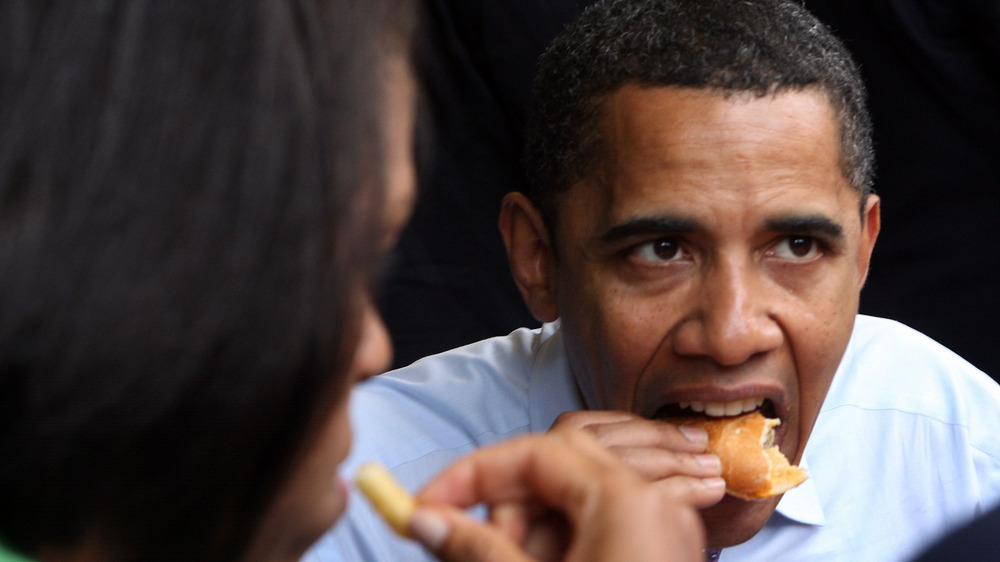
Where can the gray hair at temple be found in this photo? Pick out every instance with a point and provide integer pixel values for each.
(746, 47)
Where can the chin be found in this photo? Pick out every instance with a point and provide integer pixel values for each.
(290, 546)
(733, 521)
(289, 531)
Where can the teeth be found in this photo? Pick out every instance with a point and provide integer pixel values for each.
(718, 409)
(734, 408)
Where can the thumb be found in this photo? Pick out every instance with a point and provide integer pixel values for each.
(452, 537)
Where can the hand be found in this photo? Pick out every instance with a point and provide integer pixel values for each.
(560, 496)
(656, 449)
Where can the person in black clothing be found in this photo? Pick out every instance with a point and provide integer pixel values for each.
(450, 283)
(978, 540)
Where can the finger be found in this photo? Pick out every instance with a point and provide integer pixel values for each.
(641, 432)
(697, 492)
(678, 530)
(655, 464)
(583, 418)
(549, 538)
(624, 429)
(557, 469)
(453, 537)
(512, 519)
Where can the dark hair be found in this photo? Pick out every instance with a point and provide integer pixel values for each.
(180, 205)
(759, 47)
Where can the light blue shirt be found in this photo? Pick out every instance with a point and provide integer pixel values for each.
(906, 446)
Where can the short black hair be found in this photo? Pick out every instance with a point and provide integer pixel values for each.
(180, 211)
(758, 47)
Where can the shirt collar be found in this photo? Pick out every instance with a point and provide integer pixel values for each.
(552, 389)
(801, 504)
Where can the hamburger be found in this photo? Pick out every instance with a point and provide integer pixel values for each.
(752, 465)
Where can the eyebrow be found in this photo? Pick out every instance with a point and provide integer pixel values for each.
(816, 225)
(644, 226)
(819, 225)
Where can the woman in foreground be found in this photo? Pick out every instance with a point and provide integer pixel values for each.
(195, 196)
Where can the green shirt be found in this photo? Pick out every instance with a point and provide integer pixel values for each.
(8, 555)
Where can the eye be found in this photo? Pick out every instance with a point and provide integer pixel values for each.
(660, 250)
(797, 248)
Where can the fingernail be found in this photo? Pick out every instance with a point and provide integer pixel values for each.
(714, 483)
(429, 528)
(694, 434)
(708, 461)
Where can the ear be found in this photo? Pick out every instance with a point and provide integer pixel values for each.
(872, 216)
(530, 254)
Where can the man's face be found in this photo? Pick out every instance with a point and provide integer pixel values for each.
(712, 263)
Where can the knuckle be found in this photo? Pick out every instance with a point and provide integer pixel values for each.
(575, 418)
(465, 545)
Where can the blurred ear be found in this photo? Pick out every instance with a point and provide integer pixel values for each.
(530, 254)
(869, 232)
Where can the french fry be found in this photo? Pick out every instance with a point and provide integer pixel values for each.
(393, 502)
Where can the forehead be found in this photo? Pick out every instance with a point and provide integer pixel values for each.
(684, 148)
(678, 118)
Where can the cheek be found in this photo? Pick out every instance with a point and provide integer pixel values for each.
(374, 349)
(310, 501)
(324, 497)
(611, 342)
(819, 316)
(827, 321)
(336, 444)
(316, 498)
(818, 336)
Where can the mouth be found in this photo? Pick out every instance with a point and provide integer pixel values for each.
(717, 409)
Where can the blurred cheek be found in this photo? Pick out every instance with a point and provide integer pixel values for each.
(311, 500)
(374, 352)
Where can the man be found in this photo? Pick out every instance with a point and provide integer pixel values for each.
(696, 239)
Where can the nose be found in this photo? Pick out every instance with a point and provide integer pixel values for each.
(374, 352)
(731, 320)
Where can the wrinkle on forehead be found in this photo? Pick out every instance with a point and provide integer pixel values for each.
(734, 149)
